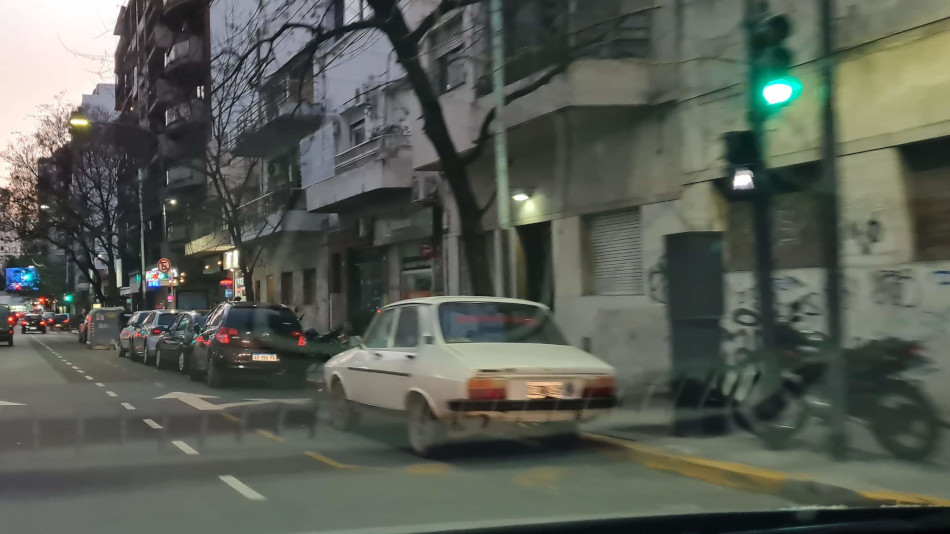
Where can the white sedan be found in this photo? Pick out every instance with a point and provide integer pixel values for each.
(465, 365)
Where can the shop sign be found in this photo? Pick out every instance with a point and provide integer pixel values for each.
(416, 225)
(415, 263)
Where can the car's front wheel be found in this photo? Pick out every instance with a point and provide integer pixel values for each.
(214, 375)
(343, 413)
(122, 351)
(426, 433)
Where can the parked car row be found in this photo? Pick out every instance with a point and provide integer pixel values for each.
(236, 338)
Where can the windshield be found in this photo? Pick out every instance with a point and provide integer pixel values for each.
(261, 320)
(469, 322)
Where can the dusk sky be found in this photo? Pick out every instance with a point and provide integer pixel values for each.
(51, 47)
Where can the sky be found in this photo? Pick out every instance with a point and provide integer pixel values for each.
(48, 47)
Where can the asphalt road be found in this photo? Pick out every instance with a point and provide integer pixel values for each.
(90, 442)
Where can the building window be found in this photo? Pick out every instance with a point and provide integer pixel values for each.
(286, 288)
(309, 286)
(447, 46)
(358, 132)
(336, 273)
(355, 10)
(616, 256)
(927, 167)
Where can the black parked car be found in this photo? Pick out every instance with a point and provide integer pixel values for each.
(59, 321)
(250, 338)
(7, 322)
(33, 322)
(174, 345)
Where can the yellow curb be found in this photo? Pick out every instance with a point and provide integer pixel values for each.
(329, 461)
(756, 479)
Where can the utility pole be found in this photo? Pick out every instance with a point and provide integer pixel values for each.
(837, 382)
(502, 194)
(761, 202)
(141, 180)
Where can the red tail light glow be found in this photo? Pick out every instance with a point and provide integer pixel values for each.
(487, 389)
(156, 331)
(223, 335)
(23, 322)
(600, 387)
(301, 340)
(11, 319)
(42, 323)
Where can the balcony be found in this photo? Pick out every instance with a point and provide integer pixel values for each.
(278, 211)
(186, 59)
(176, 10)
(178, 233)
(370, 171)
(163, 94)
(266, 127)
(184, 117)
(188, 176)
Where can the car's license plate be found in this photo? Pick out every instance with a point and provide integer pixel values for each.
(545, 390)
(264, 357)
(32, 328)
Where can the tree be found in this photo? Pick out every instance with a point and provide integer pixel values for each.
(389, 18)
(66, 193)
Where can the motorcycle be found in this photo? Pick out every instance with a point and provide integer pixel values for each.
(787, 392)
(329, 344)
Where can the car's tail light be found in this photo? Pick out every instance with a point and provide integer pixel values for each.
(487, 389)
(301, 340)
(223, 335)
(600, 387)
(156, 331)
(42, 323)
(65, 320)
(23, 322)
(11, 319)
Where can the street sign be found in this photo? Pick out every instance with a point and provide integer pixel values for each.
(164, 265)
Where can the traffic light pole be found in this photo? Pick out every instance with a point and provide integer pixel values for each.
(837, 384)
(761, 203)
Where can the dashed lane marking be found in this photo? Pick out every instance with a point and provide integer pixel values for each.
(100, 384)
(242, 488)
(88, 377)
(185, 448)
(111, 394)
(152, 424)
(128, 406)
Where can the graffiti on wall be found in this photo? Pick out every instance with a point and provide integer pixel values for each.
(866, 234)
(896, 287)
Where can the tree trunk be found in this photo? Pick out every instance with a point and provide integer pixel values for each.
(456, 174)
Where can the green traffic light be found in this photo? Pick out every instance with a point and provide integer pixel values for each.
(781, 91)
(67, 298)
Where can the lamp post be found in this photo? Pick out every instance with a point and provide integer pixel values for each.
(78, 122)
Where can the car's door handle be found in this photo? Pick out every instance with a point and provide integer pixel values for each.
(411, 356)
(378, 354)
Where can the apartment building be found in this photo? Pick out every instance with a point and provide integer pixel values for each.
(625, 147)
(162, 76)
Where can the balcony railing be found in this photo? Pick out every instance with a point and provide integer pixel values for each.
(187, 56)
(184, 176)
(266, 126)
(381, 144)
(185, 114)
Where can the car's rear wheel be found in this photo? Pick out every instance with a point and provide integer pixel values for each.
(343, 413)
(214, 375)
(194, 374)
(182, 362)
(158, 358)
(10, 343)
(426, 433)
(122, 351)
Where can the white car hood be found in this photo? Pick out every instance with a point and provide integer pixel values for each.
(528, 358)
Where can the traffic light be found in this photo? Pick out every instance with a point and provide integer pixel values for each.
(774, 86)
(744, 166)
(68, 297)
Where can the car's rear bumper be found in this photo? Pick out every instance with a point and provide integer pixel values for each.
(532, 405)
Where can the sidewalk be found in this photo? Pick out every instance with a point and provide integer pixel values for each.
(803, 472)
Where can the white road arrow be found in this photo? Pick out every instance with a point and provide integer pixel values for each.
(5, 403)
(197, 401)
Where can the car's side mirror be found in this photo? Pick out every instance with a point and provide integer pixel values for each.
(356, 341)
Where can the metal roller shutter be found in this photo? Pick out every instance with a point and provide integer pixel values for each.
(617, 254)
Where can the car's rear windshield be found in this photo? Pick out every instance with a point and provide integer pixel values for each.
(259, 320)
(497, 322)
(165, 319)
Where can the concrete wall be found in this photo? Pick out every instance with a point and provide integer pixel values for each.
(294, 253)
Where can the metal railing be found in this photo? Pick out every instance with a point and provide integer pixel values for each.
(263, 111)
(353, 157)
